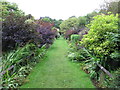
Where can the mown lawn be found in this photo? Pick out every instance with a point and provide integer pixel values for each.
(56, 71)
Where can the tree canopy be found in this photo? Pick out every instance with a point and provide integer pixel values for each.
(111, 6)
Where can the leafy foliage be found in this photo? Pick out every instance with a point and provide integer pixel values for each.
(99, 45)
(69, 24)
(83, 32)
(22, 60)
(18, 30)
(68, 34)
(24, 42)
(75, 25)
(8, 8)
(75, 37)
(102, 38)
(82, 21)
(50, 20)
(89, 16)
(115, 82)
(111, 6)
(46, 33)
(15, 31)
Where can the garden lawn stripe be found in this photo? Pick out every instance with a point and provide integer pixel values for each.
(56, 71)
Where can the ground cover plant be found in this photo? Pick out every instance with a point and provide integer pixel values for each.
(18, 64)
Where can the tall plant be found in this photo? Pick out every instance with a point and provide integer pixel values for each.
(102, 39)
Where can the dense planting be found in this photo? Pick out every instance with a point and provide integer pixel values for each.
(103, 38)
(18, 30)
(99, 46)
(24, 42)
(18, 64)
(94, 42)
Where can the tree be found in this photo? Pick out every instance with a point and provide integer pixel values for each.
(82, 21)
(89, 16)
(57, 23)
(46, 19)
(8, 8)
(111, 6)
(50, 20)
(71, 23)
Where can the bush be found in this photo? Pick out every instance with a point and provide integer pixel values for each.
(75, 37)
(46, 33)
(103, 38)
(82, 32)
(15, 32)
(68, 34)
(19, 30)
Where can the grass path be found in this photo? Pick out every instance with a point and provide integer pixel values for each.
(56, 71)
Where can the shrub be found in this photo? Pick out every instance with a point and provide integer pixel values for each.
(19, 30)
(68, 33)
(15, 32)
(46, 33)
(103, 38)
(75, 37)
(82, 32)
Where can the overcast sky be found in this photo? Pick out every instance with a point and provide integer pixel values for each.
(58, 9)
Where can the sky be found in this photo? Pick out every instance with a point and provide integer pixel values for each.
(57, 9)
